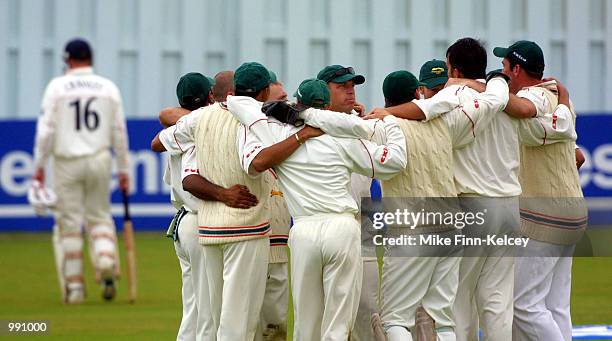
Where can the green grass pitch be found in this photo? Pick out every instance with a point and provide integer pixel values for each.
(29, 291)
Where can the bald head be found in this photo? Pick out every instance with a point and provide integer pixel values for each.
(224, 85)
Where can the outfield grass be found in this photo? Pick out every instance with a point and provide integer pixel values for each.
(29, 291)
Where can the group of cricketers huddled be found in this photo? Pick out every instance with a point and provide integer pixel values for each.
(253, 172)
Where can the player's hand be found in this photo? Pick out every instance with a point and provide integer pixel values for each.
(39, 175)
(377, 113)
(238, 196)
(124, 182)
(359, 108)
(562, 91)
(309, 132)
(579, 158)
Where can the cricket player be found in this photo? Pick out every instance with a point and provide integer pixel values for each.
(235, 242)
(325, 238)
(341, 82)
(542, 286)
(81, 120)
(193, 92)
(273, 322)
(432, 77)
(428, 282)
(541, 307)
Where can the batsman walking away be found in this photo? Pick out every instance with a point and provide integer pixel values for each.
(81, 121)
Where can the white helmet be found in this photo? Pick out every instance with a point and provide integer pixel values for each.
(41, 198)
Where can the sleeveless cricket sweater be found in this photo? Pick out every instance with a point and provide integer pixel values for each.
(548, 173)
(280, 221)
(218, 161)
(429, 172)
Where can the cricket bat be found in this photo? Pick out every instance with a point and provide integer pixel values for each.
(130, 248)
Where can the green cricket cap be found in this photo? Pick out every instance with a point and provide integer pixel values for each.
(399, 85)
(251, 77)
(525, 53)
(313, 93)
(192, 90)
(340, 74)
(273, 78)
(211, 81)
(433, 73)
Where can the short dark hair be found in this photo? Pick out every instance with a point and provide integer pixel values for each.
(391, 103)
(249, 93)
(191, 104)
(537, 75)
(468, 56)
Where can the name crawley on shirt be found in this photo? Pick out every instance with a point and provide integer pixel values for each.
(456, 240)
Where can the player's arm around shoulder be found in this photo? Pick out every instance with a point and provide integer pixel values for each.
(262, 159)
(338, 124)
(496, 95)
(381, 161)
(247, 110)
(548, 127)
(493, 93)
(179, 137)
(169, 116)
(521, 107)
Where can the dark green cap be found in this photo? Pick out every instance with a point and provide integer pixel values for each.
(398, 86)
(273, 78)
(192, 90)
(525, 53)
(339, 74)
(251, 77)
(211, 81)
(433, 73)
(313, 92)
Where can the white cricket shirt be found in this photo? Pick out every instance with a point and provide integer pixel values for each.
(179, 166)
(82, 114)
(489, 165)
(316, 178)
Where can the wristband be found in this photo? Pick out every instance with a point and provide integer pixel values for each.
(300, 142)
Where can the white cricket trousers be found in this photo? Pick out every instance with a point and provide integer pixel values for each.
(485, 292)
(82, 185)
(326, 270)
(542, 289)
(237, 282)
(276, 301)
(197, 323)
(408, 282)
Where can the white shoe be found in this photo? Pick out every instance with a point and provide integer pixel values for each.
(75, 295)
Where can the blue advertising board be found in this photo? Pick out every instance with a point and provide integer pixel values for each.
(150, 196)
